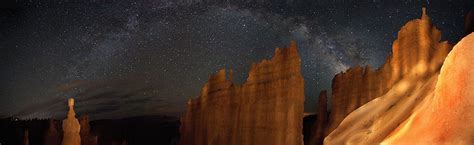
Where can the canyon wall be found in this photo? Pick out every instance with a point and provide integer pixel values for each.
(267, 109)
(417, 48)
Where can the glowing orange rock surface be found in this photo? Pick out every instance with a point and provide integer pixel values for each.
(266, 110)
(419, 109)
(71, 127)
(418, 47)
(448, 116)
(425, 106)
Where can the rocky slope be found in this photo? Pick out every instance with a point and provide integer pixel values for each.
(267, 109)
(417, 51)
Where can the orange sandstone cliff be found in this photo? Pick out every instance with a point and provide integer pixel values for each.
(417, 49)
(447, 116)
(424, 107)
(266, 109)
(435, 109)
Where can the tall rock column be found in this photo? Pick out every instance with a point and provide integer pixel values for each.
(71, 126)
(265, 110)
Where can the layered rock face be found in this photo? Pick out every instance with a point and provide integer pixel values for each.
(267, 109)
(417, 49)
(424, 110)
(71, 127)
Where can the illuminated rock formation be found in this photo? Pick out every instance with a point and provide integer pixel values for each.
(423, 110)
(52, 136)
(266, 110)
(71, 127)
(417, 49)
(447, 116)
(86, 137)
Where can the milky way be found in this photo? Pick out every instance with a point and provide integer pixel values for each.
(122, 59)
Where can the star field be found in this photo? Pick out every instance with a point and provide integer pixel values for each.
(122, 59)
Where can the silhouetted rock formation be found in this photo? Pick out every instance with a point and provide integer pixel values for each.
(52, 137)
(142, 130)
(469, 22)
(308, 122)
(417, 49)
(12, 131)
(319, 127)
(86, 137)
(71, 127)
(435, 109)
(266, 110)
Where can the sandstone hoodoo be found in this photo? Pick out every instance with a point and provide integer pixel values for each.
(417, 49)
(71, 127)
(266, 109)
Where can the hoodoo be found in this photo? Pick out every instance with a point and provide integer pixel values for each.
(71, 127)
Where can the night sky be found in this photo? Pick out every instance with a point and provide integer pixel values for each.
(123, 58)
